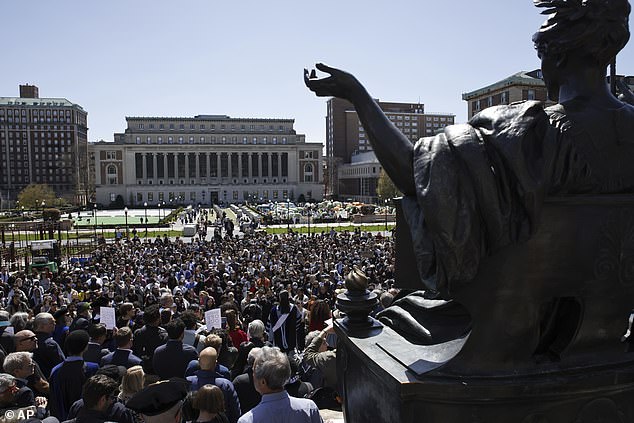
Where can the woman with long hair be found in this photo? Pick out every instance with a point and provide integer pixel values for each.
(319, 313)
(133, 381)
(238, 336)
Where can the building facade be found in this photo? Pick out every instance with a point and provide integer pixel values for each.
(351, 172)
(519, 87)
(43, 141)
(206, 159)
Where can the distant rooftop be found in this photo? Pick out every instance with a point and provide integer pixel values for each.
(48, 102)
(521, 78)
(206, 117)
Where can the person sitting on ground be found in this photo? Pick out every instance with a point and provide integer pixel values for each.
(98, 394)
(210, 403)
(271, 371)
(207, 375)
(243, 384)
(171, 360)
(122, 356)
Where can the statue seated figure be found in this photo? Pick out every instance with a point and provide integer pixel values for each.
(520, 220)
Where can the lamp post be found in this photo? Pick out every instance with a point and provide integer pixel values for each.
(386, 217)
(43, 226)
(288, 215)
(94, 215)
(145, 212)
(125, 211)
(309, 220)
(159, 209)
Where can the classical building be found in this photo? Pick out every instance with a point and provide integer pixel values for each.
(206, 159)
(352, 173)
(43, 141)
(518, 87)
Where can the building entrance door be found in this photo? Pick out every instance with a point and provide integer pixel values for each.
(213, 196)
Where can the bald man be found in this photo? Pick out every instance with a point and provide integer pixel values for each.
(207, 376)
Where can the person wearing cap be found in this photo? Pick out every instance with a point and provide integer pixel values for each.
(48, 353)
(271, 372)
(207, 376)
(68, 377)
(161, 402)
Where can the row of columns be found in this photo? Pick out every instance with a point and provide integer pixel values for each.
(197, 175)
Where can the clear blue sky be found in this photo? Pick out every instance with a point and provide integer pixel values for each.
(121, 58)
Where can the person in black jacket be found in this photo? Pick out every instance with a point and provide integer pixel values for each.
(149, 338)
(99, 394)
(171, 360)
(48, 353)
(123, 355)
(95, 351)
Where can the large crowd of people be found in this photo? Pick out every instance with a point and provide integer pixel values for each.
(276, 294)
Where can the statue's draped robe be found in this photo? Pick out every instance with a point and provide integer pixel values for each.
(480, 186)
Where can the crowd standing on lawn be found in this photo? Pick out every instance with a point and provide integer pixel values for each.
(275, 293)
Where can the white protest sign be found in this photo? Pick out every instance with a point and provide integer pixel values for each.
(106, 316)
(212, 319)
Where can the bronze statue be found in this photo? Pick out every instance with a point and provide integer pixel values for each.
(522, 227)
(478, 188)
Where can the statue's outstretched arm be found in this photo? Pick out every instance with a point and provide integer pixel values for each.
(391, 147)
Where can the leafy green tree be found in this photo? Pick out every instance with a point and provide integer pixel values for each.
(33, 195)
(386, 188)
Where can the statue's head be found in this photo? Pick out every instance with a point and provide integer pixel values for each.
(590, 31)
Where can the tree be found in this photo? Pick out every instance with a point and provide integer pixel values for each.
(386, 188)
(117, 203)
(33, 195)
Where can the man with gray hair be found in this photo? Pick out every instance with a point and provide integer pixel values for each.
(48, 353)
(20, 365)
(271, 371)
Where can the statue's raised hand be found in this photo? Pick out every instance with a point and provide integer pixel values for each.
(339, 84)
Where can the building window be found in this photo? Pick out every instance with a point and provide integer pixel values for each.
(530, 95)
(111, 155)
(111, 175)
(308, 172)
(113, 197)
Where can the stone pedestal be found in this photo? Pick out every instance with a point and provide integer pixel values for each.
(382, 384)
(545, 340)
